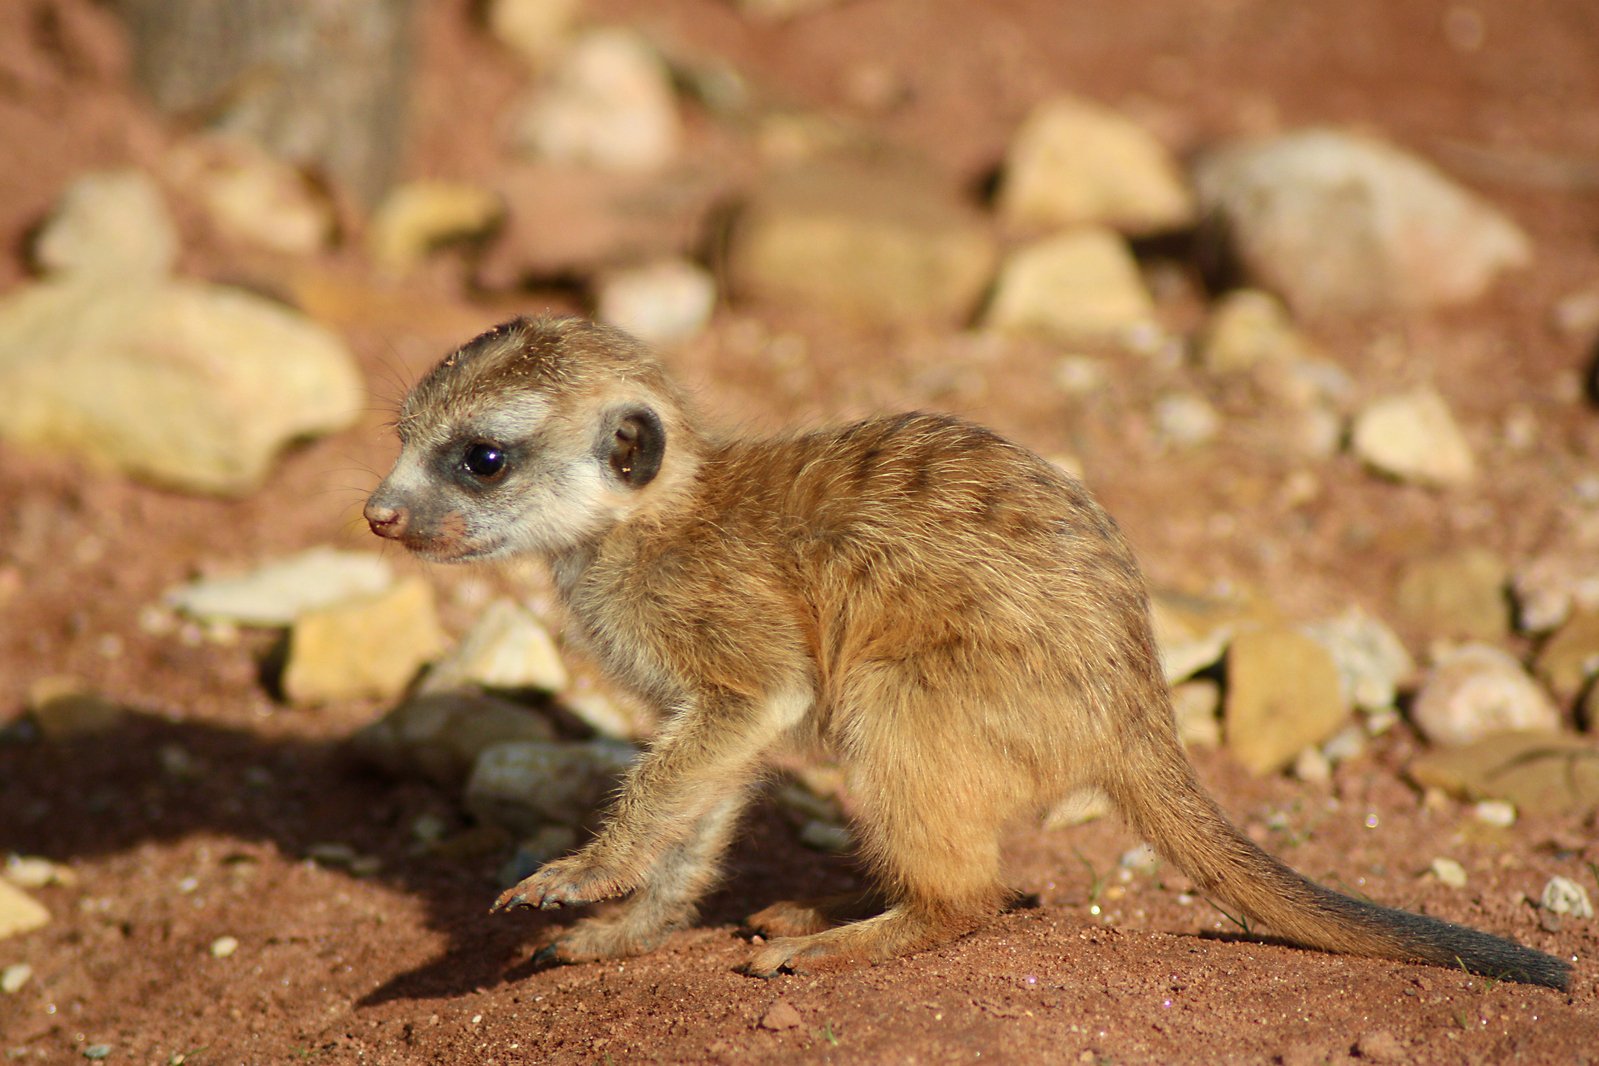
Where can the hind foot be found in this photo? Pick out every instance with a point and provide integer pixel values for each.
(895, 932)
(610, 936)
(803, 917)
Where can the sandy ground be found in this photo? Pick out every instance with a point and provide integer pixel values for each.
(171, 851)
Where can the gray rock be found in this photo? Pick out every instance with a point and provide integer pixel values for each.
(1338, 222)
(1195, 704)
(1081, 285)
(110, 226)
(507, 648)
(889, 242)
(1565, 897)
(527, 785)
(1569, 659)
(1412, 437)
(64, 709)
(191, 386)
(19, 912)
(660, 303)
(1372, 662)
(1478, 691)
(1283, 695)
(369, 647)
(1457, 594)
(1075, 162)
(607, 103)
(1547, 588)
(278, 592)
(440, 735)
(826, 836)
(1540, 773)
(550, 842)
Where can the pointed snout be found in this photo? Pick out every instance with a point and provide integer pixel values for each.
(387, 518)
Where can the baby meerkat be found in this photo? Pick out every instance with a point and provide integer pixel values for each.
(949, 615)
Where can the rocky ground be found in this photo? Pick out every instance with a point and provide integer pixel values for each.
(1309, 296)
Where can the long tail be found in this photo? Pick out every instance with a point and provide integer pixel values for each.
(1166, 805)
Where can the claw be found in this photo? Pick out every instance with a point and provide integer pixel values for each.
(509, 899)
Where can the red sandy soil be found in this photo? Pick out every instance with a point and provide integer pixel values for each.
(405, 965)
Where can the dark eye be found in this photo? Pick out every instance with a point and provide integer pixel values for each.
(485, 461)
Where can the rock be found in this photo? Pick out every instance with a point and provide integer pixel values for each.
(419, 216)
(1195, 704)
(1546, 590)
(1074, 162)
(1380, 1046)
(830, 837)
(440, 735)
(1497, 813)
(1570, 658)
(506, 649)
(607, 103)
(1477, 691)
(534, 29)
(888, 243)
(547, 844)
(776, 10)
(1341, 223)
(1541, 773)
(96, 1052)
(1576, 315)
(1345, 744)
(1372, 662)
(13, 977)
(19, 912)
(1141, 859)
(252, 196)
(1458, 594)
(32, 871)
(1186, 420)
(660, 303)
(607, 713)
(64, 709)
(1192, 631)
(1312, 767)
(224, 946)
(781, 1015)
(278, 592)
(1412, 437)
(1282, 695)
(109, 226)
(1078, 285)
(369, 647)
(1247, 328)
(1565, 897)
(1449, 872)
(191, 386)
(527, 785)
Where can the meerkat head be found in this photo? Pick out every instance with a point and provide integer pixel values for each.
(533, 437)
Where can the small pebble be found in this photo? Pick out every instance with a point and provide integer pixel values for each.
(31, 871)
(97, 1051)
(825, 836)
(1565, 896)
(780, 1015)
(13, 977)
(1449, 872)
(223, 946)
(1142, 859)
(1495, 812)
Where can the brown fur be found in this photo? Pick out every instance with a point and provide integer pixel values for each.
(949, 615)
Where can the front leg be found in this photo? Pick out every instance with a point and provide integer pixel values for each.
(702, 761)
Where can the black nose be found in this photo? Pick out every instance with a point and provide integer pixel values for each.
(387, 520)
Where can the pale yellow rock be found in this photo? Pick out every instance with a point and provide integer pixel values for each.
(1078, 285)
(506, 648)
(110, 225)
(20, 912)
(1282, 695)
(1413, 437)
(369, 647)
(419, 216)
(1075, 162)
(64, 708)
(252, 196)
(1458, 594)
(534, 29)
(1247, 328)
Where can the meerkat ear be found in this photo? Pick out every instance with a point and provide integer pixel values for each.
(635, 443)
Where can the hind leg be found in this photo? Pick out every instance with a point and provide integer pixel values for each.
(801, 917)
(667, 901)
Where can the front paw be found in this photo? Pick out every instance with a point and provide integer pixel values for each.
(568, 882)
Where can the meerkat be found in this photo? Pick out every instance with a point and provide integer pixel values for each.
(949, 615)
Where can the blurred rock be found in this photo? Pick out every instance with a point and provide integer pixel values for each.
(1541, 773)
(1565, 897)
(888, 242)
(440, 735)
(1457, 594)
(278, 592)
(1282, 695)
(1569, 659)
(1246, 328)
(546, 845)
(1372, 662)
(607, 103)
(1186, 420)
(527, 785)
(534, 29)
(34, 871)
(109, 226)
(1547, 588)
(507, 648)
(14, 977)
(1337, 222)
(774, 10)
(1477, 691)
(660, 303)
(20, 912)
(608, 713)
(1576, 315)
(1413, 437)
(252, 196)
(1074, 162)
(419, 216)
(191, 386)
(1079, 285)
(1449, 872)
(1195, 704)
(829, 837)
(368, 647)
(64, 709)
